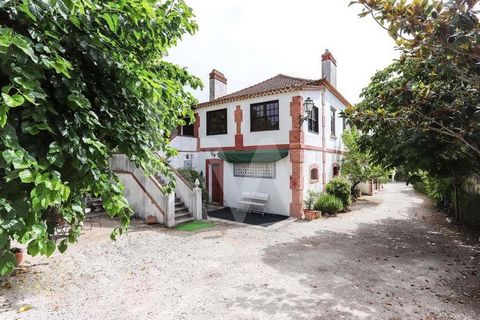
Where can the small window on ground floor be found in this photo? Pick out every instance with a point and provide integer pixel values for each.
(314, 174)
(254, 170)
(336, 170)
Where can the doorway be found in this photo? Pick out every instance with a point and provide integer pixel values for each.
(215, 180)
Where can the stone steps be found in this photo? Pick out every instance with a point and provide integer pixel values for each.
(182, 213)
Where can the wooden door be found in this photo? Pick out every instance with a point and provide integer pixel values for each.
(217, 183)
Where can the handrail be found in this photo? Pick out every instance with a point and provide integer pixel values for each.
(181, 177)
(142, 187)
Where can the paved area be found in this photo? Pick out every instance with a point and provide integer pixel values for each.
(391, 257)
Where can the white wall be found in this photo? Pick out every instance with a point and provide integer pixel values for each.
(179, 160)
(184, 143)
(187, 147)
(312, 157)
(332, 101)
(141, 191)
(281, 136)
(219, 140)
(278, 189)
(272, 137)
(364, 187)
(311, 138)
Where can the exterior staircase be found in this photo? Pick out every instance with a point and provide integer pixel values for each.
(145, 194)
(182, 213)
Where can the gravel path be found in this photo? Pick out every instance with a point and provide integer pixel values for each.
(391, 257)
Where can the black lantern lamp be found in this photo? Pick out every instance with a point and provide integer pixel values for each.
(307, 107)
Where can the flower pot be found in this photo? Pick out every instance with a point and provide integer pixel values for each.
(318, 214)
(18, 255)
(152, 220)
(309, 214)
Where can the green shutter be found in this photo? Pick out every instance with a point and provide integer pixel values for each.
(253, 156)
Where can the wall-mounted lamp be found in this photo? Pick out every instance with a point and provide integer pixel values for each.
(308, 108)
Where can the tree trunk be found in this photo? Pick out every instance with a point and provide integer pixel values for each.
(352, 190)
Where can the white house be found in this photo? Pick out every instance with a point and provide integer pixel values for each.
(258, 139)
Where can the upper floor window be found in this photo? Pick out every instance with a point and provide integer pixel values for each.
(217, 122)
(186, 130)
(264, 116)
(313, 120)
(333, 117)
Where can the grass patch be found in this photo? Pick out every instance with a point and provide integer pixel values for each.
(194, 225)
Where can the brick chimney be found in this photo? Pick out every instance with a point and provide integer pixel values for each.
(218, 85)
(329, 68)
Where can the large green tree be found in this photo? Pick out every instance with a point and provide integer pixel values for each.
(423, 111)
(80, 79)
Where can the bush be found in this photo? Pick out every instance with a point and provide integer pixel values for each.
(340, 187)
(191, 175)
(439, 189)
(312, 197)
(328, 203)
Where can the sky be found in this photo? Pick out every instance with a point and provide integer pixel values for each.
(253, 40)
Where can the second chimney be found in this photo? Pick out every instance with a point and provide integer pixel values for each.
(329, 68)
(218, 85)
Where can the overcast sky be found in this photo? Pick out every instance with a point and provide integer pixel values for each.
(253, 40)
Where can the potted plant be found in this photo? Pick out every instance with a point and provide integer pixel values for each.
(18, 252)
(151, 220)
(309, 203)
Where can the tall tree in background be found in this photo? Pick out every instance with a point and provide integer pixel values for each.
(423, 111)
(79, 79)
(358, 165)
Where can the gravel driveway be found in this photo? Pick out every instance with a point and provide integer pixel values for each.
(391, 257)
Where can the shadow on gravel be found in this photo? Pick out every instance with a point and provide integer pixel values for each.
(396, 269)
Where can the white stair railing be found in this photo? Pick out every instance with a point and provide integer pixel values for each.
(191, 195)
(144, 193)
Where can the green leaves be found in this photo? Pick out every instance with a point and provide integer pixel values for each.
(420, 112)
(26, 176)
(25, 45)
(112, 21)
(81, 81)
(7, 262)
(13, 101)
(78, 100)
(5, 39)
(4, 239)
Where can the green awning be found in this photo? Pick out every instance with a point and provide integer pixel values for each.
(253, 156)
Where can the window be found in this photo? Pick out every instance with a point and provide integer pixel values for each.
(187, 130)
(187, 164)
(332, 122)
(314, 174)
(264, 116)
(336, 170)
(217, 122)
(313, 120)
(254, 170)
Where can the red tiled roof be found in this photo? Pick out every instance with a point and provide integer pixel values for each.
(278, 84)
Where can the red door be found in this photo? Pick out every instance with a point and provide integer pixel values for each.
(217, 182)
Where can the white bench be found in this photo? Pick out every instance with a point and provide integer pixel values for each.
(253, 202)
